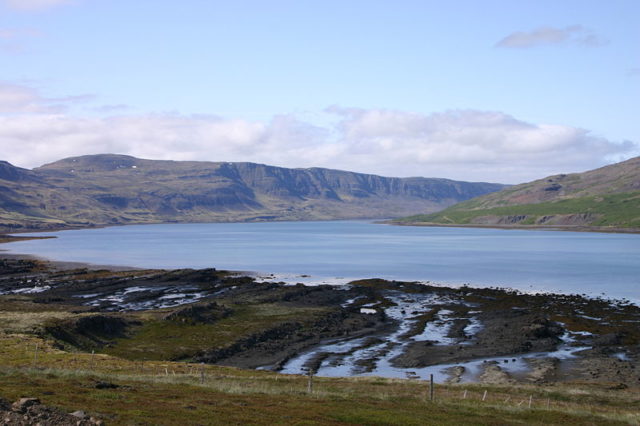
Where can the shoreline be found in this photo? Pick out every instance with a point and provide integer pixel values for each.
(309, 280)
(380, 221)
(371, 326)
(5, 232)
(294, 278)
(66, 265)
(6, 238)
(559, 228)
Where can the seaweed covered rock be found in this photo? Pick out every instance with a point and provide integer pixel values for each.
(540, 328)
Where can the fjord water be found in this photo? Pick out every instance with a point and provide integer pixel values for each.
(338, 251)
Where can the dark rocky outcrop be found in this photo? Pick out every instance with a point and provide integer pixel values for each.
(91, 331)
(504, 332)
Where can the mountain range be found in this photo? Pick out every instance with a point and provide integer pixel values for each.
(107, 189)
(607, 198)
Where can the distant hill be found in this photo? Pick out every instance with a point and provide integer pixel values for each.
(607, 198)
(111, 189)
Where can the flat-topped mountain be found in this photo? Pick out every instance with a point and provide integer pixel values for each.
(117, 189)
(604, 198)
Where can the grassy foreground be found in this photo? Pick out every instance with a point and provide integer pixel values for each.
(122, 391)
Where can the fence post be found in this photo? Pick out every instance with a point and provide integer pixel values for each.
(310, 382)
(35, 356)
(431, 387)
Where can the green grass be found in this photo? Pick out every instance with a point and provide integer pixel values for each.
(167, 393)
(158, 339)
(615, 210)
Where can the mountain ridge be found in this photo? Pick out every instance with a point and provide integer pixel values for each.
(111, 189)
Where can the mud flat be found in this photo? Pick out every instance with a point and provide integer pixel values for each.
(369, 327)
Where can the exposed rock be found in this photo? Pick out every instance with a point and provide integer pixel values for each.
(80, 414)
(543, 370)
(21, 405)
(29, 411)
(455, 374)
(504, 332)
(495, 375)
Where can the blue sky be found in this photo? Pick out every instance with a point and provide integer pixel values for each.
(476, 90)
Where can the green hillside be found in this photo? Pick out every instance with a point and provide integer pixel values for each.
(603, 199)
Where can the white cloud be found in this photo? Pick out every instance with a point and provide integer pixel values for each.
(575, 34)
(469, 145)
(34, 5)
(458, 144)
(17, 98)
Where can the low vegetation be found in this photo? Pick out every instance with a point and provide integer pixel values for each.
(121, 391)
(144, 367)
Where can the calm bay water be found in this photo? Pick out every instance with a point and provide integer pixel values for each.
(338, 251)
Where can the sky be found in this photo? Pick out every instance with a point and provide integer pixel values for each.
(481, 90)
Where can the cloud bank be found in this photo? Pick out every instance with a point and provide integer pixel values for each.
(575, 34)
(458, 144)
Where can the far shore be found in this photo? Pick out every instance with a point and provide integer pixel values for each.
(11, 235)
(563, 228)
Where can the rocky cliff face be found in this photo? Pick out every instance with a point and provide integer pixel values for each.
(116, 189)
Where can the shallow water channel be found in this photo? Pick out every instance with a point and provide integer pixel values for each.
(361, 357)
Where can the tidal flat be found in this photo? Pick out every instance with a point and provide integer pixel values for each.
(369, 327)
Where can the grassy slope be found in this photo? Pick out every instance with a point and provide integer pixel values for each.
(172, 393)
(165, 392)
(604, 197)
(158, 339)
(615, 210)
